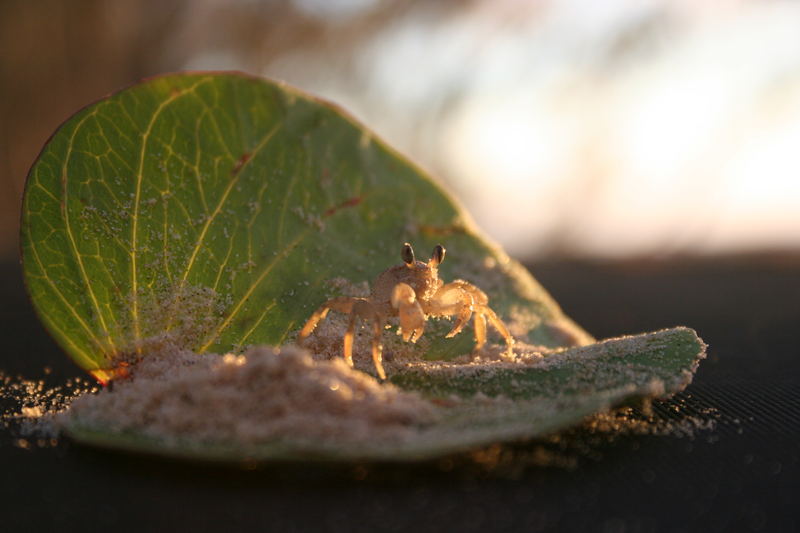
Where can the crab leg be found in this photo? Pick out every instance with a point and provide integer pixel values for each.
(480, 330)
(343, 304)
(364, 310)
(498, 325)
(455, 298)
(377, 347)
(467, 301)
(463, 315)
(348, 340)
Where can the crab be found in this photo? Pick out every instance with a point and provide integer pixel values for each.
(412, 292)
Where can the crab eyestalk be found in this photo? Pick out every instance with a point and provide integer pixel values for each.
(438, 256)
(407, 254)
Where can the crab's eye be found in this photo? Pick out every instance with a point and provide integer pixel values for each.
(407, 254)
(438, 254)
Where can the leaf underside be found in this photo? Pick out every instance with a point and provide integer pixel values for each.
(215, 210)
(523, 403)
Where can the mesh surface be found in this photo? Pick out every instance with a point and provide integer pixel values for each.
(721, 456)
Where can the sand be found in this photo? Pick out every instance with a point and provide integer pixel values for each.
(261, 396)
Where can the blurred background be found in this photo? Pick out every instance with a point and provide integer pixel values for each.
(610, 128)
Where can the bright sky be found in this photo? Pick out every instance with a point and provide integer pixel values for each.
(609, 127)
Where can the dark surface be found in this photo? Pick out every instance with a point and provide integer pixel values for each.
(741, 475)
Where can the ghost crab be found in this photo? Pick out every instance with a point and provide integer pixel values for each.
(412, 292)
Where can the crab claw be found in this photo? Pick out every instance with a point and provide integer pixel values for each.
(412, 319)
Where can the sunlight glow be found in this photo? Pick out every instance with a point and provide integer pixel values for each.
(611, 127)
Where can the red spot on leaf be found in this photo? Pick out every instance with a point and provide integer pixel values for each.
(240, 163)
(350, 202)
(442, 230)
(106, 376)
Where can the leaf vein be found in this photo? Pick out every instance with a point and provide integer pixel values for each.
(281, 256)
(64, 204)
(231, 184)
(137, 198)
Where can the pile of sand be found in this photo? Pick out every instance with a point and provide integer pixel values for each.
(264, 395)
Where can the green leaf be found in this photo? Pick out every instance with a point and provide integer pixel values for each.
(229, 202)
(495, 403)
(215, 210)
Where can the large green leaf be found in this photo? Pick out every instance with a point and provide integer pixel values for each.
(215, 210)
(229, 201)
